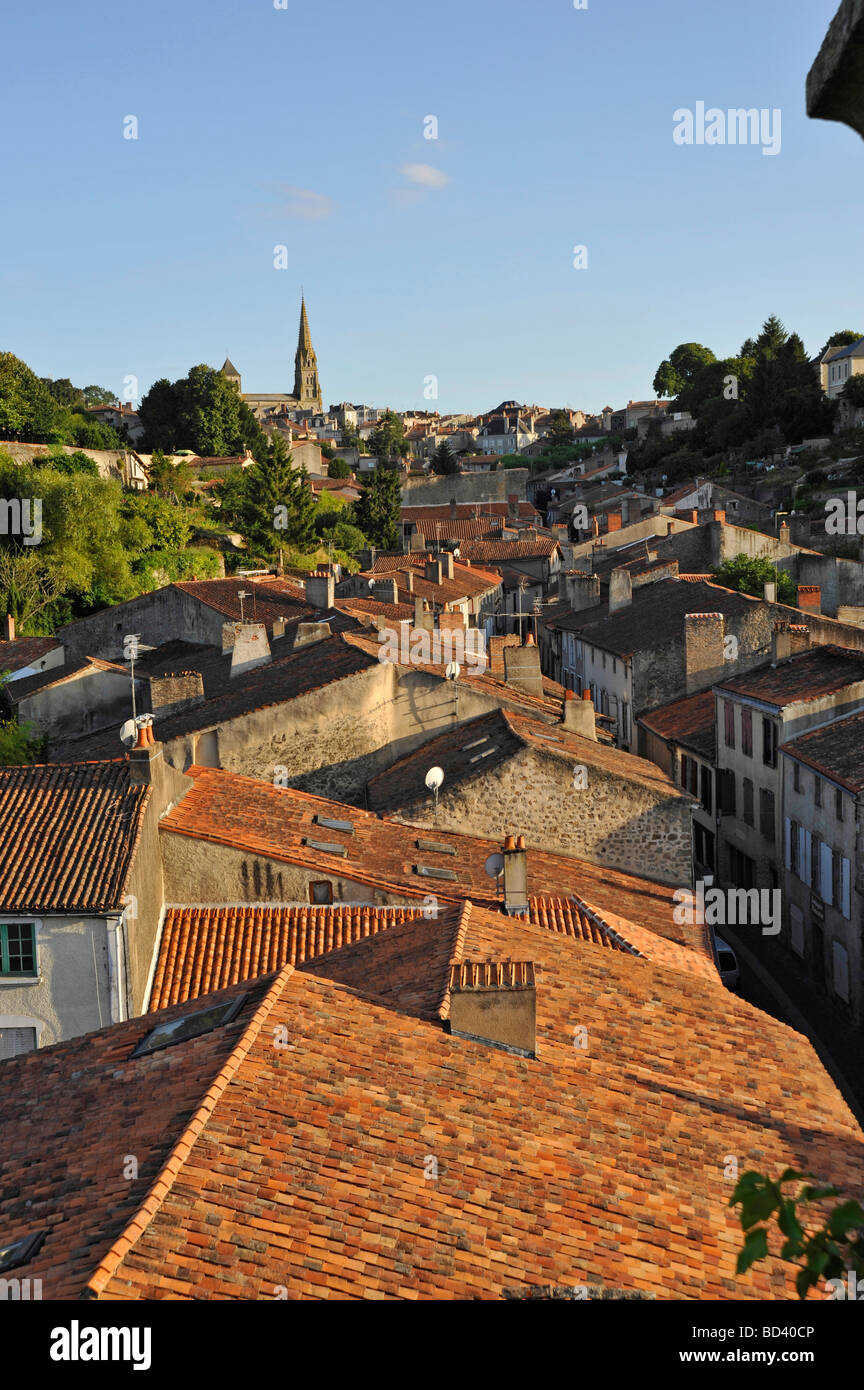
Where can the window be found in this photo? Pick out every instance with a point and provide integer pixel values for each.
(747, 733)
(793, 829)
(20, 1252)
(17, 948)
(747, 809)
(769, 743)
(188, 1026)
(836, 858)
(707, 790)
(838, 804)
(729, 718)
(766, 814)
(14, 1041)
(815, 851)
(321, 891)
(817, 789)
(796, 777)
(689, 775)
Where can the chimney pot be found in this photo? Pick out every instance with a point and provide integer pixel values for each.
(9, 628)
(510, 842)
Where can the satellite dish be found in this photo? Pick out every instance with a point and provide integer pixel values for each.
(452, 670)
(434, 779)
(494, 865)
(128, 733)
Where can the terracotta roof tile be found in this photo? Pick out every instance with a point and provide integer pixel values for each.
(67, 836)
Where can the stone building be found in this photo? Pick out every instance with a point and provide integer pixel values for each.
(307, 386)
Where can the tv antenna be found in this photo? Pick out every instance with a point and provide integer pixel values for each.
(130, 651)
(241, 595)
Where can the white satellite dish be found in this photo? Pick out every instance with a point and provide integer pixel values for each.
(452, 670)
(435, 778)
(494, 865)
(129, 733)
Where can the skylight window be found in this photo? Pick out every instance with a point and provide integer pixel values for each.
(188, 1026)
(326, 846)
(20, 1252)
(436, 847)
(426, 871)
(487, 753)
(346, 825)
(476, 743)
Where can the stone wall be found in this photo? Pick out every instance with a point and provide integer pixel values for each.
(465, 487)
(165, 613)
(612, 821)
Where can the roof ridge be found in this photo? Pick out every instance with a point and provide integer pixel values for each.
(456, 954)
(164, 1180)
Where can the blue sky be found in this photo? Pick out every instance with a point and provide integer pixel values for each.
(261, 127)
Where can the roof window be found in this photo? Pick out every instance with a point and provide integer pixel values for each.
(188, 1026)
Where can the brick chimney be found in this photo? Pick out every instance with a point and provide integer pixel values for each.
(516, 876)
(810, 598)
(613, 521)
(800, 637)
(620, 589)
(495, 1002)
(704, 655)
(579, 715)
(522, 667)
(147, 768)
(693, 516)
(583, 590)
(321, 589)
(718, 515)
(8, 633)
(446, 558)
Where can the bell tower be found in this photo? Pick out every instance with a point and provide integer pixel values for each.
(307, 388)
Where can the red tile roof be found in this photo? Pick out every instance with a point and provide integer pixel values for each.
(304, 1169)
(68, 836)
(243, 813)
(25, 651)
(500, 552)
(690, 722)
(811, 675)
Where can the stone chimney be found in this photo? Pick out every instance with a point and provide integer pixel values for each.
(809, 598)
(454, 509)
(147, 768)
(311, 632)
(495, 1002)
(516, 876)
(583, 590)
(769, 591)
(251, 648)
(579, 715)
(704, 654)
(620, 589)
(321, 589)
(446, 559)
(522, 667)
(387, 590)
(8, 633)
(513, 504)
(799, 634)
(692, 516)
(179, 690)
(433, 571)
(408, 579)
(781, 643)
(783, 532)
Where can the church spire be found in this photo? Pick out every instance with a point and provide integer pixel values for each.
(307, 388)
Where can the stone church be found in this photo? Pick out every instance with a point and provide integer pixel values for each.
(307, 387)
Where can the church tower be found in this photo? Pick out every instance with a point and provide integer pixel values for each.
(307, 388)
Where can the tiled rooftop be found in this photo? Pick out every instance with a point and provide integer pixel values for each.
(811, 675)
(244, 813)
(836, 750)
(690, 722)
(67, 836)
(303, 1167)
(25, 651)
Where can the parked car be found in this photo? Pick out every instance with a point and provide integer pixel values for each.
(728, 962)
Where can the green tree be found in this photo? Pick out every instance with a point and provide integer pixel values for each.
(208, 412)
(339, 468)
(69, 463)
(560, 430)
(443, 461)
(351, 437)
(28, 411)
(167, 477)
(841, 339)
(749, 574)
(853, 391)
(681, 368)
(378, 508)
(830, 1251)
(159, 416)
(388, 440)
(278, 507)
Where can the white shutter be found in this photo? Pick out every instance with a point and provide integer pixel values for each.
(807, 860)
(845, 890)
(788, 824)
(825, 873)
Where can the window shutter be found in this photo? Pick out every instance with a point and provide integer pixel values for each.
(845, 890)
(807, 860)
(825, 873)
(788, 825)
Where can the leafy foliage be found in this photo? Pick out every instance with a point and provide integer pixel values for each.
(443, 461)
(202, 411)
(387, 442)
(827, 1252)
(378, 509)
(749, 574)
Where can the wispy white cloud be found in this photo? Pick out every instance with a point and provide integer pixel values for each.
(303, 203)
(426, 175)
